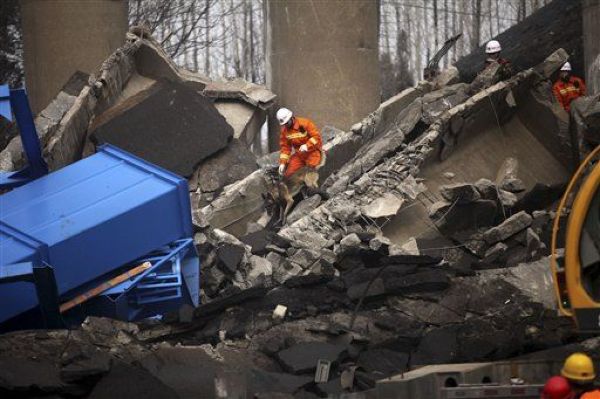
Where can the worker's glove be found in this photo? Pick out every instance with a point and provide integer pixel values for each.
(303, 148)
(281, 169)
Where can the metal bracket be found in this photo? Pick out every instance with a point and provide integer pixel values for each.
(15, 101)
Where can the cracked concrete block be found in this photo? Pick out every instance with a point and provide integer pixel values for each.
(511, 226)
(461, 193)
(386, 206)
(166, 112)
(303, 207)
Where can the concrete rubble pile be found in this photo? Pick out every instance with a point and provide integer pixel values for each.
(413, 311)
(416, 257)
(394, 177)
(142, 102)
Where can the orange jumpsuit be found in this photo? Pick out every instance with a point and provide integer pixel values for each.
(565, 92)
(303, 131)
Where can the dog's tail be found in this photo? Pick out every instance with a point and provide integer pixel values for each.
(323, 159)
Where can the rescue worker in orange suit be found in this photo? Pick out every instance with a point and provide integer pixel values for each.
(301, 136)
(492, 51)
(557, 387)
(578, 369)
(567, 88)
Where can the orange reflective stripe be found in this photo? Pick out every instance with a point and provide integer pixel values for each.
(284, 156)
(313, 140)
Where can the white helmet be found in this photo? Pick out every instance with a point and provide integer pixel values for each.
(566, 67)
(284, 115)
(493, 46)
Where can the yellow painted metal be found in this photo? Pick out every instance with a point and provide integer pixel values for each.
(578, 297)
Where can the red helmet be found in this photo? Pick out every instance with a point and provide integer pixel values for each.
(557, 388)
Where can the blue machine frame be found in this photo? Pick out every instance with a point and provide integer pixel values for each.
(16, 101)
(171, 281)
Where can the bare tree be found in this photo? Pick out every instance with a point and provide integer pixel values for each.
(522, 10)
(227, 37)
(476, 28)
(11, 57)
(446, 31)
(435, 25)
(490, 19)
(207, 38)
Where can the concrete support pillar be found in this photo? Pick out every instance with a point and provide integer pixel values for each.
(322, 58)
(63, 36)
(591, 44)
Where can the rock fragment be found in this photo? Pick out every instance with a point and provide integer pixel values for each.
(511, 226)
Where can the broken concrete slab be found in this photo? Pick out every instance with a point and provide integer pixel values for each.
(461, 193)
(513, 185)
(234, 297)
(74, 103)
(153, 62)
(426, 281)
(371, 154)
(259, 273)
(227, 166)
(439, 101)
(386, 206)
(118, 383)
(387, 113)
(246, 121)
(261, 381)
(230, 256)
(487, 189)
(507, 199)
(88, 366)
(447, 77)
(541, 196)
(285, 271)
(511, 226)
(166, 112)
(188, 371)
(328, 133)
(239, 204)
(367, 290)
(495, 253)
(258, 241)
(253, 94)
(16, 374)
(305, 257)
(460, 217)
(305, 206)
(410, 247)
(303, 357)
(383, 362)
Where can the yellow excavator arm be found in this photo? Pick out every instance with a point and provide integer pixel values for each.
(577, 273)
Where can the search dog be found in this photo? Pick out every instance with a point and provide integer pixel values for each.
(280, 194)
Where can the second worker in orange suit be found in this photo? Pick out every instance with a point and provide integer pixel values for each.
(300, 143)
(567, 88)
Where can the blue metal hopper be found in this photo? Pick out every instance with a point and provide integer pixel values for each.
(91, 219)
